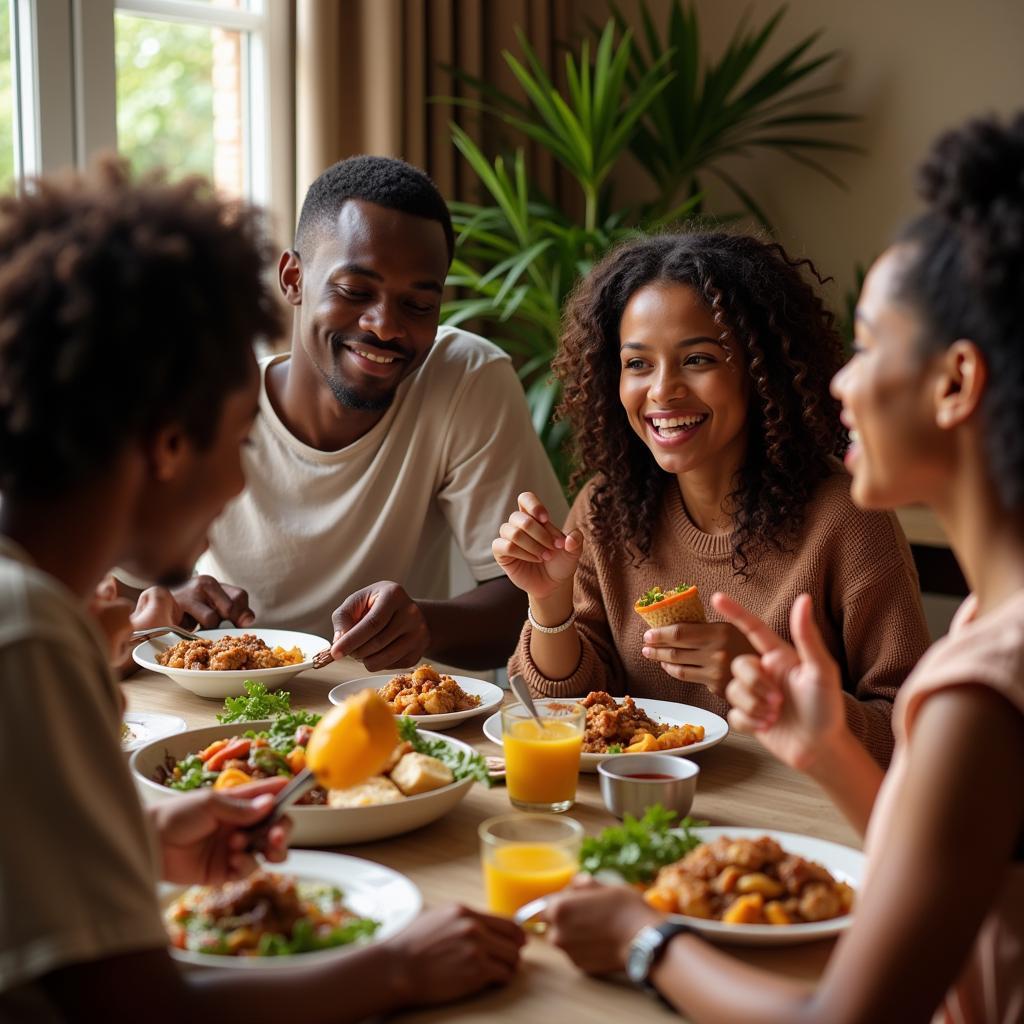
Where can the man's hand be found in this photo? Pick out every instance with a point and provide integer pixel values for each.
(208, 603)
(381, 626)
(202, 837)
(451, 952)
(697, 652)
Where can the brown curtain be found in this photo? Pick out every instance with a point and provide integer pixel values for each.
(366, 68)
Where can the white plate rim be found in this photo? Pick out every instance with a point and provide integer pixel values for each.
(850, 869)
(654, 707)
(152, 665)
(317, 865)
(488, 699)
(162, 724)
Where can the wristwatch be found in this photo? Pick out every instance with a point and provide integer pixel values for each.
(647, 946)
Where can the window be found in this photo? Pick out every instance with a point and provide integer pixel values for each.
(196, 86)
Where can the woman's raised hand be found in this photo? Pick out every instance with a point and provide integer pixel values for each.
(789, 696)
(535, 554)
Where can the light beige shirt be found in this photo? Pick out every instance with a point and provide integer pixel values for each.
(985, 651)
(447, 459)
(77, 869)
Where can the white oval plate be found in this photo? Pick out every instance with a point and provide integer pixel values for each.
(845, 863)
(490, 696)
(218, 685)
(371, 890)
(715, 728)
(311, 825)
(148, 726)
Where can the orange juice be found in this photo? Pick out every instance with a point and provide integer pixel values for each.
(542, 761)
(520, 872)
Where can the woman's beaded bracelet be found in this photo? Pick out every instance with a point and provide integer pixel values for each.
(561, 628)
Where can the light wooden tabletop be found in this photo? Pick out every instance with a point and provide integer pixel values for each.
(740, 784)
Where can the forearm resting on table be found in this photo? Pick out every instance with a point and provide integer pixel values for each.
(712, 987)
(364, 983)
(477, 629)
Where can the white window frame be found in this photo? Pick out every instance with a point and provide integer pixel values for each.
(66, 85)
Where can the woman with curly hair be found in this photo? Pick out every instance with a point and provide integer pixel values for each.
(935, 396)
(695, 370)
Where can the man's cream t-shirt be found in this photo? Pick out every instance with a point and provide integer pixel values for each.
(447, 459)
(77, 865)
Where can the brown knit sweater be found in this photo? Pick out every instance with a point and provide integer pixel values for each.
(856, 566)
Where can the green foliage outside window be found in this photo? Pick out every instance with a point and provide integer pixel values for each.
(6, 100)
(165, 95)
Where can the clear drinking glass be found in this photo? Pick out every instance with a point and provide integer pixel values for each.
(526, 856)
(542, 760)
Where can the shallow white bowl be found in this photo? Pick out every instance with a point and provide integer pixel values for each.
(313, 826)
(218, 685)
(845, 863)
(490, 696)
(371, 890)
(715, 729)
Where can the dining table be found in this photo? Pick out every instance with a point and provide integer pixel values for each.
(740, 784)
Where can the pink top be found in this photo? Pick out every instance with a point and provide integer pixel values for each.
(988, 651)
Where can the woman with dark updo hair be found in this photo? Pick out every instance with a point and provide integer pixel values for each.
(934, 397)
(695, 370)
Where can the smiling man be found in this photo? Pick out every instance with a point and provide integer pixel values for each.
(381, 437)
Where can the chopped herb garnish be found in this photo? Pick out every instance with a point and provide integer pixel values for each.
(637, 849)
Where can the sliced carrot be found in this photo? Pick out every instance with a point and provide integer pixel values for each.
(208, 752)
(238, 747)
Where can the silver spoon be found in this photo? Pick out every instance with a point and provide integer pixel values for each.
(522, 692)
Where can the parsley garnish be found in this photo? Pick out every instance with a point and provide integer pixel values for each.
(637, 849)
(257, 704)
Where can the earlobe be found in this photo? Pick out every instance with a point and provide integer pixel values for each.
(166, 452)
(961, 385)
(289, 276)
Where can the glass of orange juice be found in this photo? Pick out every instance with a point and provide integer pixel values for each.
(526, 856)
(542, 759)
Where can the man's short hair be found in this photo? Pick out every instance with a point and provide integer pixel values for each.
(374, 179)
(125, 306)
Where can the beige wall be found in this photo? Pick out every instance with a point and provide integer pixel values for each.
(911, 68)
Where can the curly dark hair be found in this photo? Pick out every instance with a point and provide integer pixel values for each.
(376, 179)
(966, 275)
(125, 306)
(758, 298)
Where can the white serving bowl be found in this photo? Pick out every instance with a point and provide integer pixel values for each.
(313, 826)
(218, 685)
(371, 890)
(490, 696)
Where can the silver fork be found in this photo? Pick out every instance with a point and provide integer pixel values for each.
(154, 631)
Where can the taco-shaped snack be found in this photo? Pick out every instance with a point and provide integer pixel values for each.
(667, 607)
